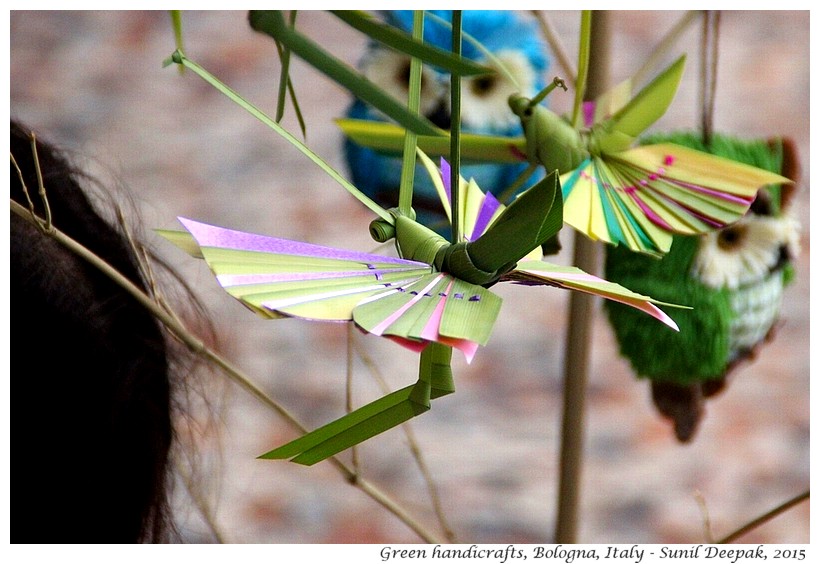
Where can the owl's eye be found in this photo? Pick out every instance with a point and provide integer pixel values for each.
(403, 75)
(484, 85)
(484, 99)
(762, 204)
(391, 72)
(732, 237)
(403, 79)
(745, 252)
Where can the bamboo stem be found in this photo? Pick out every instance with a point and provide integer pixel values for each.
(708, 73)
(579, 327)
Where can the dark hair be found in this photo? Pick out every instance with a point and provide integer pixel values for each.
(91, 425)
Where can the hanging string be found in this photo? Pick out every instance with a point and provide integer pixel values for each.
(708, 73)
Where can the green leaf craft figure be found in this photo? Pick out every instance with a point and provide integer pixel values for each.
(637, 197)
(733, 278)
(433, 298)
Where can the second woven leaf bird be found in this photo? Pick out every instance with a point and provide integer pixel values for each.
(637, 197)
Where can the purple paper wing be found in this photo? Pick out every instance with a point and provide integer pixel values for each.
(280, 277)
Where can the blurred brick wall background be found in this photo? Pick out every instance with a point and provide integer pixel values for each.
(93, 82)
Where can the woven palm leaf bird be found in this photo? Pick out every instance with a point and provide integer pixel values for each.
(432, 298)
(512, 39)
(733, 278)
(638, 197)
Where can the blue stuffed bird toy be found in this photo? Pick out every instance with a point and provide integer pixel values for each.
(512, 38)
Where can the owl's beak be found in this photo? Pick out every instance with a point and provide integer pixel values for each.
(784, 257)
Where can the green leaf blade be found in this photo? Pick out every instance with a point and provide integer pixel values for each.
(472, 317)
(402, 41)
(650, 103)
(355, 427)
(529, 221)
(388, 138)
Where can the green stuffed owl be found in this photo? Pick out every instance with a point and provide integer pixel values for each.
(733, 279)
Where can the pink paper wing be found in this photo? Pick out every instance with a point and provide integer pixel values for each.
(436, 308)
